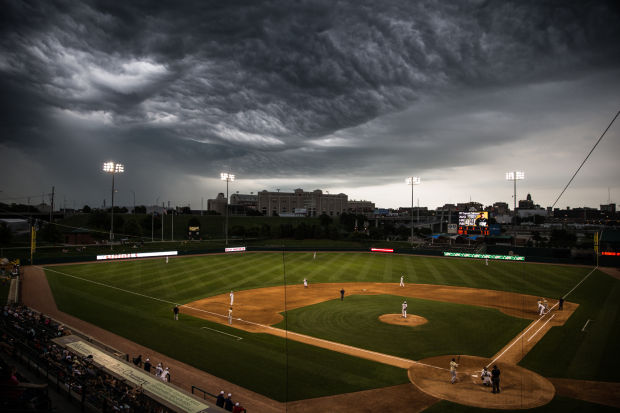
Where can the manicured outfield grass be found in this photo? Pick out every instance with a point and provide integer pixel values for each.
(451, 328)
(140, 308)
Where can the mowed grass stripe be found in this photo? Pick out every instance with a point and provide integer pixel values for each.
(143, 320)
(431, 273)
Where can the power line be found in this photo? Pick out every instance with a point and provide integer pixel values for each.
(584, 161)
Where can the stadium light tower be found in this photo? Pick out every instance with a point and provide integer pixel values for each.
(412, 180)
(113, 168)
(228, 177)
(515, 176)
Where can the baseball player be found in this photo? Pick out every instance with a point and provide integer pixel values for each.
(541, 308)
(485, 375)
(453, 367)
(175, 310)
(305, 283)
(232, 298)
(404, 309)
(486, 261)
(166, 259)
(314, 255)
(230, 315)
(402, 280)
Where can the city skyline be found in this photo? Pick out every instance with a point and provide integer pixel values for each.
(337, 97)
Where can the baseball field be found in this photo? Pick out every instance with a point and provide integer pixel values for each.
(292, 343)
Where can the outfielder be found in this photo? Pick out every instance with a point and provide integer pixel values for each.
(402, 280)
(404, 309)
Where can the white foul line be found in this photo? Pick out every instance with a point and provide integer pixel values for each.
(585, 325)
(520, 337)
(221, 332)
(541, 327)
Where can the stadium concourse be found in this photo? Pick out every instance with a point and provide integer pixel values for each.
(37, 294)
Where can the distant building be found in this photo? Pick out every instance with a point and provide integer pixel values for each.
(241, 203)
(609, 208)
(218, 204)
(500, 208)
(526, 203)
(360, 207)
(244, 200)
(315, 202)
(469, 206)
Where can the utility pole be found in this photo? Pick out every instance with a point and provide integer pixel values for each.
(162, 220)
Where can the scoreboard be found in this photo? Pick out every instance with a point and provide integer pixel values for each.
(473, 223)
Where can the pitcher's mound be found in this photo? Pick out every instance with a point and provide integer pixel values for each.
(412, 320)
(520, 388)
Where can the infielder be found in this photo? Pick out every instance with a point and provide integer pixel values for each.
(305, 283)
(404, 309)
(232, 298)
(453, 367)
(230, 315)
(402, 280)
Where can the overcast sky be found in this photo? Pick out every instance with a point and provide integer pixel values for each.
(347, 96)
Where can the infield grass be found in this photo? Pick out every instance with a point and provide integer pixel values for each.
(135, 299)
(451, 328)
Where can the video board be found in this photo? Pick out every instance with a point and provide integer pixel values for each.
(474, 222)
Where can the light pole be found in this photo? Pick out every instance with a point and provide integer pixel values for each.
(134, 201)
(412, 180)
(515, 176)
(224, 176)
(113, 168)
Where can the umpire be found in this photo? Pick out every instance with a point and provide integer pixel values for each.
(495, 379)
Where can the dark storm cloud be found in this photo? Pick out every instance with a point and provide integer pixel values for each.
(259, 85)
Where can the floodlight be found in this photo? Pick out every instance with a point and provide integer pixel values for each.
(510, 176)
(520, 175)
(413, 180)
(224, 176)
(228, 177)
(113, 168)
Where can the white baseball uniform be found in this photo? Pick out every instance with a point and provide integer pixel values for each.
(402, 280)
(232, 298)
(404, 309)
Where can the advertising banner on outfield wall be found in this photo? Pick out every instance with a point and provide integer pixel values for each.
(136, 255)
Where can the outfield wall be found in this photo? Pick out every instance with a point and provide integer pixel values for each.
(540, 255)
